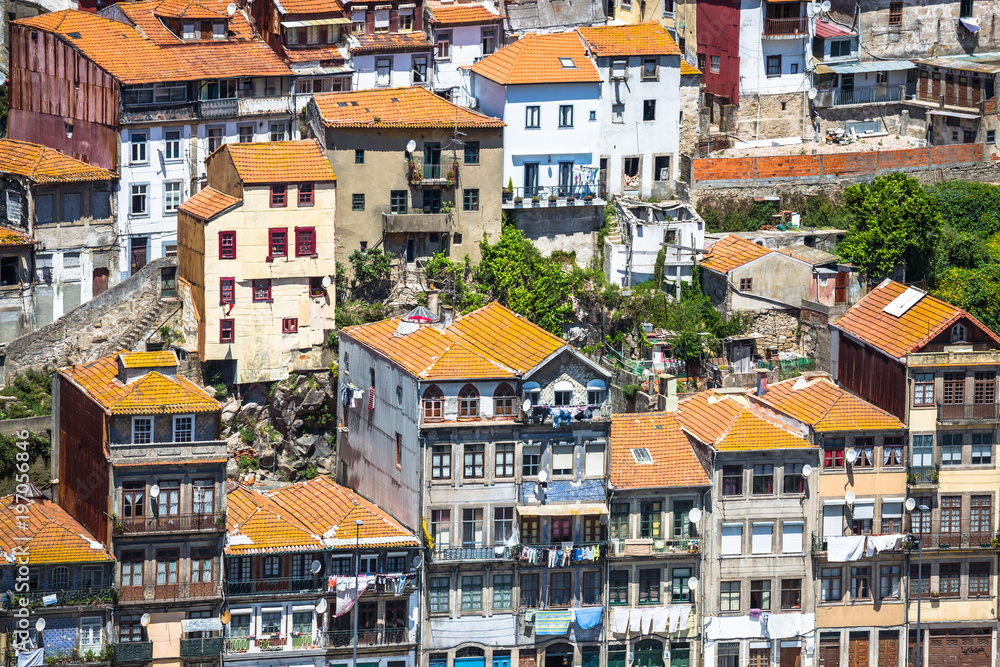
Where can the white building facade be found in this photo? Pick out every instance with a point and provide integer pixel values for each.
(463, 33)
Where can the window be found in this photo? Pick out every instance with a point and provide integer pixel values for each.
(592, 529)
(951, 449)
(762, 538)
(892, 517)
(732, 480)
(130, 629)
(679, 591)
(470, 199)
(982, 448)
(419, 69)
(565, 115)
(203, 496)
(468, 403)
(682, 524)
(166, 567)
(793, 481)
(562, 529)
(791, 537)
(201, 565)
(619, 69)
(529, 590)
(215, 138)
(791, 593)
(503, 591)
(171, 196)
(139, 203)
(649, 110)
(920, 580)
(441, 527)
(649, 586)
(142, 430)
(592, 587)
(91, 631)
(397, 201)
(661, 168)
(833, 453)
(861, 582)
(60, 577)
(489, 40)
(889, 581)
(503, 524)
(923, 451)
(358, 202)
(763, 479)
(760, 594)
(503, 402)
(618, 587)
(865, 448)
(923, 389)
(472, 527)
(93, 576)
(649, 519)
(562, 459)
(732, 539)
(132, 568)
(840, 48)
(991, 136)
(560, 589)
(441, 462)
(139, 143)
(617, 113)
(442, 45)
(532, 117)
(895, 13)
(473, 464)
(227, 331)
(774, 65)
(979, 520)
(183, 428)
(227, 245)
(290, 325)
(433, 405)
(649, 69)
(984, 388)
(965, 9)
(892, 452)
(530, 529)
(305, 241)
(729, 654)
(714, 64)
(954, 389)
(862, 517)
(746, 284)
(261, 289)
(277, 242)
(729, 596)
(950, 579)
(440, 588)
(306, 194)
(471, 152)
(504, 460)
(619, 521)
(172, 144)
(531, 461)
(979, 579)
(279, 131)
(245, 134)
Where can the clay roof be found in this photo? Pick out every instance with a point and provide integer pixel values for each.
(12, 237)
(146, 15)
(309, 516)
(397, 107)
(44, 165)
(674, 461)
(730, 423)
(731, 252)
(397, 41)
(55, 536)
(132, 56)
(809, 255)
(309, 6)
(491, 342)
(462, 13)
(642, 39)
(153, 393)
(309, 54)
(149, 359)
(825, 30)
(820, 403)
(280, 161)
(191, 9)
(689, 69)
(896, 336)
(539, 59)
(208, 203)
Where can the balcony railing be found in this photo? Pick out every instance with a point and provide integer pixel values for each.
(417, 222)
(967, 413)
(322, 640)
(173, 523)
(941, 540)
(218, 108)
(873, 95)
(133, 652)
(72, 597)
(793, 27)
(257, 106)
(467, 553)
(168, 592)
(277, 586)
(554, 195)
(198, 648)
(923, 475)
(648, 547)
(373, 637)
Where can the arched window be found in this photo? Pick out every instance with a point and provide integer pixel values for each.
(60, 578)
(559, 655)
(468, 402)
(958, 333)
(470, 652)
(433, 402)
(503, 401)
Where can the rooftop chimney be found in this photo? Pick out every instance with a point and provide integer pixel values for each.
(761, 381)
(433, 301)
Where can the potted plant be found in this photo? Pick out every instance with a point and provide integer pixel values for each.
(588, 198)
(116, 524)
(570, 199)
(518, 201)
(508, 192)
(935, 475)
(449, 184)
(535, 200)
(450, 175)
(220, 518)
(552, 199)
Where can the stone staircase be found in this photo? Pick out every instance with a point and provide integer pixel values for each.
(150, 322)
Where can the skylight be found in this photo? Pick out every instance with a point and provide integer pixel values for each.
(567, 63)
(642, 455)
(904, 301)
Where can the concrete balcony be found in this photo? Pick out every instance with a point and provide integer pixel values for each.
(262, 106)
(400, 223)
(791, 28)
(161, 452)
(551, 197)
(218, 108)
(860, 96)
(680, 547)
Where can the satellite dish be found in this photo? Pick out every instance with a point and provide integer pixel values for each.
(693, 583)
(849, 497)
(411, 146)
(321, 606)
(417, 562)
(543, 477)
(694, 516)
(226, 617)
(231, 9)
(807, 470)
(825, 6)
(144, 621)
(327, 282)
(154, 491)
(813, 93)
(316, 567)
(526, 405)
(40, 624)
(852, 454)
(910, 504)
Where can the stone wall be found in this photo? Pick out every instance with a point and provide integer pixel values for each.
(894, 118)
(780, 116)
(121, 317)
(33, 424)
(779, 329)
(565, 228)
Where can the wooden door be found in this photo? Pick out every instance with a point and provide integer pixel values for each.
(138, 253)
(935, 85)
(791, 656)
(857, 650)
(528, 659)
(888, 648)
(680, 655)
(829, 652)
(923, 87)
(840, 287)
(100, 281)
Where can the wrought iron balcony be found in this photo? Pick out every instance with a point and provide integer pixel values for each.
(169, 592)
(552, 195)
(940, 540)
(206, 647)
(923, 475)
(790, 27)
(71, 597)
(372, 637)
(322, 640)
(174, 523)
(133, 652)
(445, 553)
(275, 586)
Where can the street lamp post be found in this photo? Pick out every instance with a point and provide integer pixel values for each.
(910, 505)
(357, 576)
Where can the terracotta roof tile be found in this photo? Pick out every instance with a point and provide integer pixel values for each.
(397, 107)
(12, 237)
(146, 16)
(280, 161)
(825, 30)
(897, 336)
(538, 59)
(208, 203)
(826, 407)
(191, 9)
(506, 337)
(44, 165)
(153, 393)
(159, 359)
(305, 7)
(674, 461)
(728, 423)
(462, 13)
(56, 537)
(309, 54)
(310, 516)
(397, 41)
(689, 69)
(642, 39)
(731, 252)
(133, 57)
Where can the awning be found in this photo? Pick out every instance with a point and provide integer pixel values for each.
(303, 24)
(580, 509)
(880, 66)
(969, 25)
(953, 114)
(530, 386)
(596, 384)
(201, 624)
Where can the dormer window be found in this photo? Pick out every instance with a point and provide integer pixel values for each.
(563, 392)
(187, 31)
(292, 36)
(219, 30)
(567, 63)
(959, 333)
(142, 430)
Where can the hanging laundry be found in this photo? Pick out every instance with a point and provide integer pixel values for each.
(349, 589)
(660, 617)
(588, 617)
(356, 396)
(675, 615)
(647, 620)
(621, 621)
(685, 616)
(635, 621)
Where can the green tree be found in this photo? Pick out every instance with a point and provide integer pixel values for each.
(371, 272)
(895, 223)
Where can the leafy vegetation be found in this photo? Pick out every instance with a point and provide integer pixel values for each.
(39, 451)
(30, 395)
(370, 273)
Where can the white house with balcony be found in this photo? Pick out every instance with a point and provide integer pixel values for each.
(463, 34)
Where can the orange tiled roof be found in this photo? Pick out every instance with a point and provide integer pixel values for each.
(491, 342)
(397, 107)
(12, 237)
(191, 9)
(132, 56)
(462, 13)
(731, 252)
(310, 516)
(897, 336)
(310, 7)
(146, 14)
(309, 54)
(44, 165)
(687, 68)
(208, 203)
(280, 161)
(149, 359)
(536, 59)
(728, 424)
(397, 41)
(642, 39)
(153, 393)
(674, 461)
(825, 406)
(56, 537)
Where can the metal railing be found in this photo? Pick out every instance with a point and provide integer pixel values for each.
(133, 651)
(552, 194)
(76, 597)
(201, 647)
(276, 586)
(786, 27)
(967, 412)
(872, 95)
(370, 637)
(321, 640)
(443, 553)
(173, 523)
(168, 592)
(923, 475)
(942, 540)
